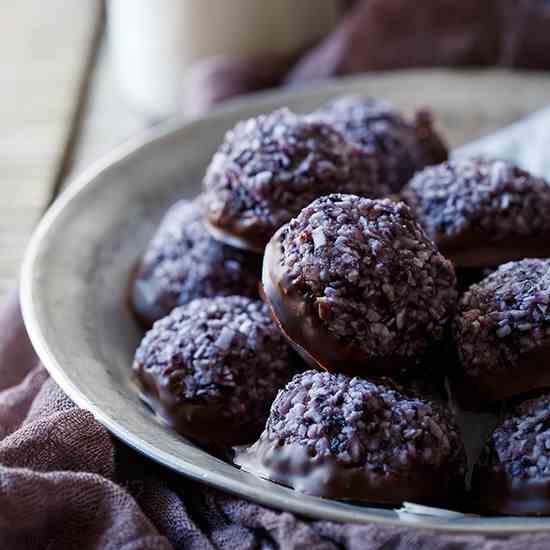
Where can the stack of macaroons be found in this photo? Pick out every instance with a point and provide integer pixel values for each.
(491, 219)
(208, 254)
(301, 211)
(360, 291)
(351, 281)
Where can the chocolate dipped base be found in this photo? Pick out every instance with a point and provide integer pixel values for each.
(323, 476)
(474, 257)
(206, 422)
(246, 240)
(472, 249)
(498, 493)
(476, 391)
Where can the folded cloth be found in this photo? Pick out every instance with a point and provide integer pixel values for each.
(524, 142)
(392, 34)
(66, 483)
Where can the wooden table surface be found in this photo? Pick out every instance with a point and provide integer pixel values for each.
(44, 57)
(60, 109)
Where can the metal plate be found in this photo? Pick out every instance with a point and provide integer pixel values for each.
(76, 271)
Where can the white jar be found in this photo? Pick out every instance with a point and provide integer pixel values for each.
(154, 42)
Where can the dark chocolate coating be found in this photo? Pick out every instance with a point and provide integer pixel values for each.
(345, 438)
(482, 213)
(269, 167)
(502, 332)
(468, 276)
(184, 262)
(513, 474)
(212, 367)
(403, 146)
(357, 286)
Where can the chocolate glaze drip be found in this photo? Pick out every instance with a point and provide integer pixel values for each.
(498, 493)
(203, 421)
(533, 372)
(512, 475)
(473, 249)
(324, 476)
(252, 243)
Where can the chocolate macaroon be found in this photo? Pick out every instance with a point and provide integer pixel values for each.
(346, 438)
(357, 286)
(502, 333)
(482, 213)
(183, 262)
(403, 146)
(269, 167)
(512, 476)
(212, 368)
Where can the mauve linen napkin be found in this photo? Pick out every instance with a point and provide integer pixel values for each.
(393, 34)
(66, 483)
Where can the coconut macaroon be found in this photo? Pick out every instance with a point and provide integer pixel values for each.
(183, 262)
(356, 284)
(212, 368)
(403, 146)
(346, 438)
(502, 332)
(513, 473)
(482, 213)
(269, 167)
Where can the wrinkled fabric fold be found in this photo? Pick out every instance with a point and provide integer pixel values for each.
(377, 35)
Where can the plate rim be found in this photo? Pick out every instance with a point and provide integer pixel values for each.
(80, 184)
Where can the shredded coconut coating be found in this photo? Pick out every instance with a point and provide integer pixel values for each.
(219, 350)
(493, 197)
(374, 277)
(520, 445)
(360, 423)
(504, 316)
(402, 146)
(184, 262)
(269, 167)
